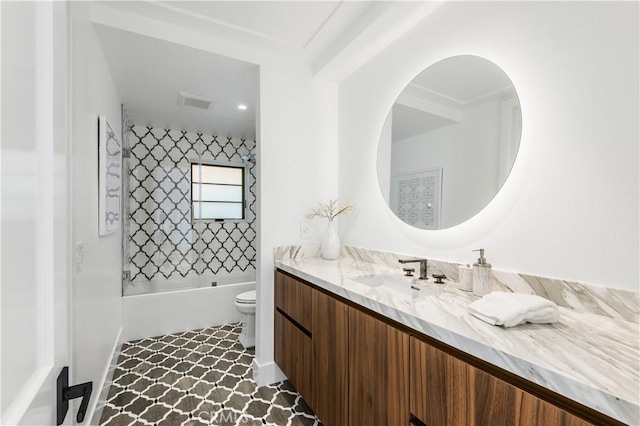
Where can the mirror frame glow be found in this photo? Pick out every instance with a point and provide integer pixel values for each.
(449, 142)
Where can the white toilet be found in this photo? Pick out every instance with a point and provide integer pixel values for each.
(246, 305)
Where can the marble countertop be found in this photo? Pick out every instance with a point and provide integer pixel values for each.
(588, 358)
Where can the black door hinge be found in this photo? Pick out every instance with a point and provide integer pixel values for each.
(66, 392)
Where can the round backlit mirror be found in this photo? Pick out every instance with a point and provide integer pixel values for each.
(449, 142)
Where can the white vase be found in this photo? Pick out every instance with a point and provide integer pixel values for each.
(330, 248)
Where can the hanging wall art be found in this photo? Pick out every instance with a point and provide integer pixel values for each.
(109, 177)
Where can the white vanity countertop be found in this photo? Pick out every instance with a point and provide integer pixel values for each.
(588, 358)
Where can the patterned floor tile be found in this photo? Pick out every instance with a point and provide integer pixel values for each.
(199, 377)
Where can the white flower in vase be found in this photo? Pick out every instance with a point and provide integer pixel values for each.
(330, 247)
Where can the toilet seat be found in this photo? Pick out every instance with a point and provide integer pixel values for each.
(248, 297)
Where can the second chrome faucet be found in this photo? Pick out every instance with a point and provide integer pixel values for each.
(423, 267)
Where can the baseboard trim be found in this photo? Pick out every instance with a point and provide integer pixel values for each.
(95, 408)
(267, 374)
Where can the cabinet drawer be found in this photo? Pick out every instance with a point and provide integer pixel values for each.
(294, 299)
(293, 354)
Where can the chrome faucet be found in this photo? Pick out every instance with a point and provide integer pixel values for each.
(423, 267)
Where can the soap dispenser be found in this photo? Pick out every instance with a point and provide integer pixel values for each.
(481, 275)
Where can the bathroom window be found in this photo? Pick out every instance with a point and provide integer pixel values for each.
(218, 192)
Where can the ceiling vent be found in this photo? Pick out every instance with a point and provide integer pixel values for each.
(187, 99)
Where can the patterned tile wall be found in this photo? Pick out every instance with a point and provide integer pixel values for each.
(163, 242)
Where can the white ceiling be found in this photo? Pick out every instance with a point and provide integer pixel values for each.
(309, 25)
(149, 73)
(333, 37)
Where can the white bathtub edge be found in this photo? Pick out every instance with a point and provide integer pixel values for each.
(179, 290)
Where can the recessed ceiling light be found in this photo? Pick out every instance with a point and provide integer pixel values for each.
(242, 107)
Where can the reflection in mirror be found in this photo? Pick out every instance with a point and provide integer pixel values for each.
(449, 142)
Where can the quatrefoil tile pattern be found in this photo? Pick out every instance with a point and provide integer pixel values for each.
(196, 378)
(163, 242)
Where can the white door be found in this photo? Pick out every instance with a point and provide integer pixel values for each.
(34, 227)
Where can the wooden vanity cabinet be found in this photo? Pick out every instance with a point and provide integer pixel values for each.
(356, 372)
(448, 391)
(354, 367)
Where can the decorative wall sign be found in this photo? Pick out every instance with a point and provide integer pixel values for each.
(109, 177)
(416, 198)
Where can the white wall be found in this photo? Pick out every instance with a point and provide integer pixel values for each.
(297, 151)
(297, 147)
(97, 301)
(570, 207)
(385, 151)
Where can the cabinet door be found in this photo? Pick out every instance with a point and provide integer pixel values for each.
(330, 359)
(378, 372)
(440, 387)
(292, 353)
(293, 298)
(447, 391)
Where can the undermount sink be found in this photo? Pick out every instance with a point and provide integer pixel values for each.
(378, 280)
(397, 283)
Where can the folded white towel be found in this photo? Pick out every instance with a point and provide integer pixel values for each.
(511, 309)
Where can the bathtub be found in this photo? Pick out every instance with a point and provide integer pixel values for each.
(170, 306)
